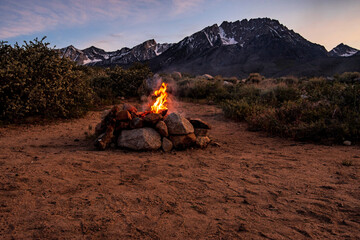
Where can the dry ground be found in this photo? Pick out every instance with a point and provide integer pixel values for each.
(54, 185)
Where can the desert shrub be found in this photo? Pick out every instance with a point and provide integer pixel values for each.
(119, 82)
(103, 88)
(348, 76)
(255, 78)
(313, 109)
(289, 80)
(127, 81)
(201, 89)
(284, 94)
(188, 75)
(264, 119)
(247, 92)
(35, 81)
(175, 76)
(317, 89)
(304, 120)
(237, 110)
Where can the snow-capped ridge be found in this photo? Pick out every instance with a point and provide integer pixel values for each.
(224, 39)
(343, 50)
(94, 56)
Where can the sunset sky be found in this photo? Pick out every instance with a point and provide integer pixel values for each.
(113, 24)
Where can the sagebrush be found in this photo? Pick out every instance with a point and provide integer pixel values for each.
(35, 81)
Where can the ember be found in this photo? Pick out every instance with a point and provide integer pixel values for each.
(150, 130)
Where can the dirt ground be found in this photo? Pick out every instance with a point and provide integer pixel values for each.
(54, 185)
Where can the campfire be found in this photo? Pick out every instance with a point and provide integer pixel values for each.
(125, 127)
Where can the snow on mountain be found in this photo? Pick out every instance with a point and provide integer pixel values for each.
(261, 45)
(225, 40)
(255, 45)
(96, 56)
(343, 50)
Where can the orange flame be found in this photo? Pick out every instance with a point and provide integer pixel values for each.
(160, 103)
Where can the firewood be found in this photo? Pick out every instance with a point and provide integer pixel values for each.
(105, 139)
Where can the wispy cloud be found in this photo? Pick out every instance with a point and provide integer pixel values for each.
(115, 41)
(184, 6)
(27, 17)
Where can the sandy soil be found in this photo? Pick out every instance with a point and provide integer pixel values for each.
(54, 185)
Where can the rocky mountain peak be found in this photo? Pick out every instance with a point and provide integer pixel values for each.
(343, 50)
(261, 45)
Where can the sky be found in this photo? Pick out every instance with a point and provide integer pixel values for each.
(113, 24)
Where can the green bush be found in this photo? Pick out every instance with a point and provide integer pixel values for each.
(237, 110)
(348, 76)
(35, 81)
(120, 82)
(255, 78)
(312, 109)
(201, 89)
(103, 87)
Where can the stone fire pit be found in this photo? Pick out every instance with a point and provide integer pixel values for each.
(125, 127)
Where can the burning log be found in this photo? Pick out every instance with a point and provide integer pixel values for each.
(123, 115)
(105, 139)
(152, 119)
(130, 108)
(164, 112)
(136, 123)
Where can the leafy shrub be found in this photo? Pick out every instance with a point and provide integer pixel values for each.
(35, 81)
(201, 89)
(104, 89)
(237, 110)
(312, 109)
(119, 82)
(348, 76)
(127, 81)
(255, 78)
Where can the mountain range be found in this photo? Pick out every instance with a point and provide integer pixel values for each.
(232, 49)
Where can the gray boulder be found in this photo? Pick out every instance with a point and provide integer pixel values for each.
(178, 125)
(140, 139)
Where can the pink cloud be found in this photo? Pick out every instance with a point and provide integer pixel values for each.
(28, 17)
(183, 6)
